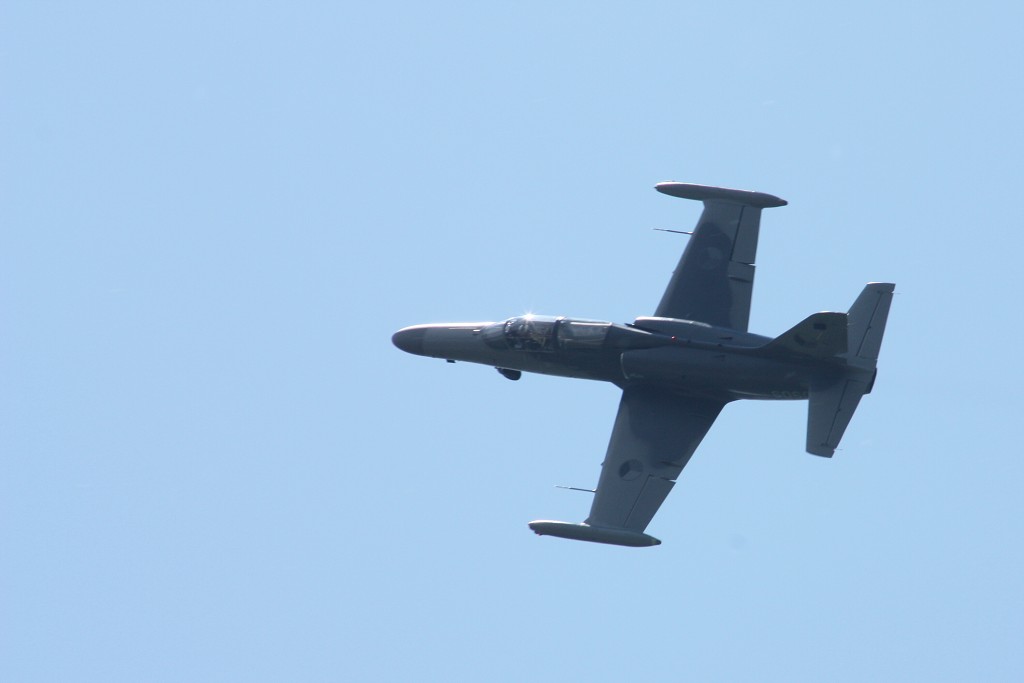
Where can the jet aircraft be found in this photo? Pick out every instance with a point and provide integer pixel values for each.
(678, 368)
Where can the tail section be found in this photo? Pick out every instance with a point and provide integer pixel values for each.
(831, 405)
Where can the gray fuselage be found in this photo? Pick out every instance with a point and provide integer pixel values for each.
(686, 356)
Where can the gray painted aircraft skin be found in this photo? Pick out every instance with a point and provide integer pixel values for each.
(678, 368)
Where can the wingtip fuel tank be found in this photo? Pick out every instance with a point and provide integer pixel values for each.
(595, 534)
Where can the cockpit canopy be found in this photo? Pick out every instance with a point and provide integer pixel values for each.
(531, 332)
(548, 333)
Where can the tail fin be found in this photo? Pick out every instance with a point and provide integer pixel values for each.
(831, 406)
(822, 335)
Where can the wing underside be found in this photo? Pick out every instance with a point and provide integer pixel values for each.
(714, 280)
(655, 434)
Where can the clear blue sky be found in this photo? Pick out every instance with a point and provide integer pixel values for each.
(215, 467)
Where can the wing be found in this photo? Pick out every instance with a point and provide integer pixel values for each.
(715, 276)
(655, 433)
(654, 436)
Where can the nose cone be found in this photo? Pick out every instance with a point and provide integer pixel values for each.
(451, 341)
(410, 339)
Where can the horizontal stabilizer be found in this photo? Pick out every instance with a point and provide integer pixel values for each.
(828, 414)
(822, 335)
(867, 319)
(595, 534)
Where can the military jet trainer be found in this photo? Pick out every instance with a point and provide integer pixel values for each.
(678, 368)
